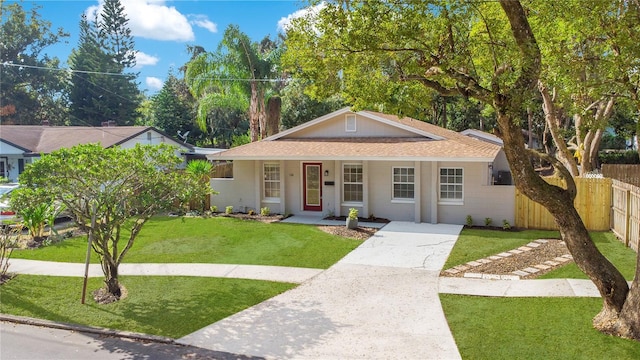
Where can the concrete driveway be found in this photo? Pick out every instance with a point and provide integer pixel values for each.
(379, 302)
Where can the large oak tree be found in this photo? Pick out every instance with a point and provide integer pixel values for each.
(377, 52)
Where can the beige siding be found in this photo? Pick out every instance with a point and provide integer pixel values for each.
(365, 127)
(238, 192)
(480, 199)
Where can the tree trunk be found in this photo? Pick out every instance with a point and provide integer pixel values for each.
(113, 285)
(551, 118)
(274, 105)
(254, 113)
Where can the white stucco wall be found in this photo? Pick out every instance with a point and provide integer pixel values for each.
(238, 192)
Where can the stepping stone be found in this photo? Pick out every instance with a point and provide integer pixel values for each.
(542, 241)
(568, 256)
(520, 273)
(551, 263)
(452, 271)
(473, 275)
(491, 276)
(531, 270)
(484, 261)
(561, 259)
(505, 254)
(533, 244)
(516, 251)
(525, 248)
(495, 257)
(542, 266)
(509, 277)
(474, 263)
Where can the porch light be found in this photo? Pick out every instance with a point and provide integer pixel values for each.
(326, 173)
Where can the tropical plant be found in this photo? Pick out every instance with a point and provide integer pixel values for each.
(9, 236)
(111, 193)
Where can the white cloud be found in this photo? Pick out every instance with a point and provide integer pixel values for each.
(153, 83)
(152, 19)
(143, 59)
(285, 22)
(203, 22)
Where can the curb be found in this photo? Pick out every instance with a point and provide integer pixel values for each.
(87, 329)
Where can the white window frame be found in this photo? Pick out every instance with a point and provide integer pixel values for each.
(265, 180)
(344, 183)
(447, 200)
(400, 182)
(350, 124)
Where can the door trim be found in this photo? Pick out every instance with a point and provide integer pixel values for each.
(305, 206)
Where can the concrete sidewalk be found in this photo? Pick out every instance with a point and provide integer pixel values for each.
(380, 301)
(256, 272)
(518, 288)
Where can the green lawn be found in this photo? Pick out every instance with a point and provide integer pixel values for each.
(167, 306)
(531, 328)
(216, 240)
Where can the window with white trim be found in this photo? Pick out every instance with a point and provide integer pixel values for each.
(403, 183)
(271, 180)
(451, 188)
(352, 183)
(350, 123)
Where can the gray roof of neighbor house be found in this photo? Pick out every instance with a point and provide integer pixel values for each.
(430, 143)
(35, 139)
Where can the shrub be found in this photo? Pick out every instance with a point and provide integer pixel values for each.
(353, 213)
(251, 212)
(469, 220)
(265, 211)
(487, 221)
(506, 225)
(228, 209)
(619, 157)
(214, 209)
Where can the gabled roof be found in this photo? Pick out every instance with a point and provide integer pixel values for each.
(45, 139)
(427, 142)
(482, 135)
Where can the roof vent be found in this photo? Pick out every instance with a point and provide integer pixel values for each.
(109, 123)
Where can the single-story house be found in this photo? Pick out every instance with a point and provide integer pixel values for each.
(382, 165)
(23, 144)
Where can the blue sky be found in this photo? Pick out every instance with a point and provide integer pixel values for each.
(162, 29)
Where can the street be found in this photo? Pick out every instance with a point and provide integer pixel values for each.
(18, 341)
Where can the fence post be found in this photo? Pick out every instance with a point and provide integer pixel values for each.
(627, 217)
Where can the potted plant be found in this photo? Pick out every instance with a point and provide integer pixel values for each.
(352, 219)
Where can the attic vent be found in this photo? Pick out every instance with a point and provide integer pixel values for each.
(350, 123)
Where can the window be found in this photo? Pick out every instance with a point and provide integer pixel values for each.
(403, 182)
(222, 170)
(350, 123)
(352, 182)
(271, 180)
(451, 184)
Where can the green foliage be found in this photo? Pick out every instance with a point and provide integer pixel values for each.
(240, 139)
(298, 107)
(469, 220)
(506, 225)
(108, 191)
(612, 141)
(353, 213)
(265, 211)
(8, 241)
(29, 95)
(174, 108)
(105, 47)
(251, 212)
(214, 209)
(619, 157)
(228, 209)
(488, 221)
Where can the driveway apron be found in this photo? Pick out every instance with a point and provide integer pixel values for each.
(378, 302)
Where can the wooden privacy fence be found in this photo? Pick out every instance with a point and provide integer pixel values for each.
(625, 213)
(593, 203)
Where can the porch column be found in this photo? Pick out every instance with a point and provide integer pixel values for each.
(365, 189)
(338, 187)
(417, 192)
(283, 178)
(435, 183)
(259, 182)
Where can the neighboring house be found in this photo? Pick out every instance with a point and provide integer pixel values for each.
(384, 166)
(482, 135)
(23, 144)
